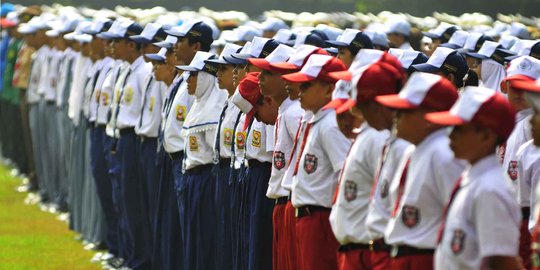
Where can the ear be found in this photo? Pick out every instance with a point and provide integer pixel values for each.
(451, 77)
(196, 46)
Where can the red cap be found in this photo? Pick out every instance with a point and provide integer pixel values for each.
(523, 68)
(377, 79)
(425, 90)
(482, 106)
(247, 96)
(6, 23)
(317, 67)
(525, 85)
(298, 59)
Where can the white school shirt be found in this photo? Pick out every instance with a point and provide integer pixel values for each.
(528, 159)
(483, 219)
(406, 46)
(56, 58)
(76, 93)
(227, 132)
(132, 93)
(153, 98)
(321, 161)
(199, 148)
(520, 135)
(105, 66)
(287, 124)
(431, 175)
(260, 142)
(287, 181)
(105, 85)
(349, 212)
(89, 88)
(173, 119)
(111, 128)
(384, 197)
(66, 75)
(38, 61)
(44, 81)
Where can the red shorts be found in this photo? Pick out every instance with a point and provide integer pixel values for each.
(380, 260)
(317, 242)
(355, 259)
(525, 244)
(279, 254)
(291, 247)
(413, 262)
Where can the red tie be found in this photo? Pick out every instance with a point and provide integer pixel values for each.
(383, 159)
(341, 177)
(304, 139)
(401, 188)
(445, 212)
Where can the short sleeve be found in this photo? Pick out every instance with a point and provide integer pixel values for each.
(335, 145)
(496, 216)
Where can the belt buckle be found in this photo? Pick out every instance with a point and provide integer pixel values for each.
(394, 251)
(296, 212)
(371, 245)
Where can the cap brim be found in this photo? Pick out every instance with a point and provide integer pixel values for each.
(155, 57)
(187, 68)
(241, 56)
(346, 106)
(235, 61)
(451, 46)
(341, 75)
(529, 86)
(107, 35)
(175, 33)
(260, 63)
(431, 35)
(163, 44)
(297, 77)
(444, 119)
(284, 67)
(512, 57)
(331, 50)
(217, 61)
(425, 67)
(140, 39)
(476, 55)
(395, 102)
(335, 43)
(335, 103)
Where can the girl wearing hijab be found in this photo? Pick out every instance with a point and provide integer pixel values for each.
(491, 70)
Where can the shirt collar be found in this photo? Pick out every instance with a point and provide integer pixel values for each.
(137, 63)
(430, 139)
(523, 114)
(480, 167)
(285, 105)
(320, 115)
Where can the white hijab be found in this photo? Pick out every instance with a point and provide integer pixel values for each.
(492, 74)
(206, 110)
(80, 73)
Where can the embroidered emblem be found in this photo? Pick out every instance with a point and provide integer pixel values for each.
(279, 160)
(180, 113)
(193, 145)
(458, 240)
(105, 99)
(410, 216)
(310, 163)
(128, 96)
(350, 190)
(256, 139)
(227, 136)
(512, 170)
(241, 140)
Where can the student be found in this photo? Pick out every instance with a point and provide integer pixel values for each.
(426, 178)
(491, 71)
(350, 209)
(200, 130)
(285, 252)
(522, 69)
(229, 118)
(285, 125)
(322, 153)
(468, 238)
(398, 34)
(439, 35)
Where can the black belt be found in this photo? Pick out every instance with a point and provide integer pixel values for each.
(307, 210)
(379, 245)
(400, 251)
(282, 200)
(199, 169)
(126, 131)
(176, 155)
(50, 102)
(356, 246)
(101, 126)
(256, 163)
(525, 213)
(143, 138)
(225, 162)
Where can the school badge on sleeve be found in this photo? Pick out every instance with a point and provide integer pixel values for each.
(279, 160)
(193, 144)
(350, 190)
(180, 113)
(513, 170)
(310, 163)
(256, 139)
(410, 216)
(458, 241)
(241, 140)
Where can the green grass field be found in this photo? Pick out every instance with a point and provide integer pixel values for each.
(35, 240)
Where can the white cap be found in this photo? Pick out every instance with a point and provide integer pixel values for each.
(399, 27)
(488, 48)
(518, 30)
(439, 56)
(257, 45)
(509, 41)
(459, 38)
(378, 38)
(168, 42)
(197, 64)
(182, 30)
(348, 35)
(244, 33)
(472, 40)
(470, 102)
(405, 57)
(285, 36)
(364, 58)
(331, 32)
(149, 32)
(524, 65)
(280, 54)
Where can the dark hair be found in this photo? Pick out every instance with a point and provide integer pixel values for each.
(205, 47)
(471, 78)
